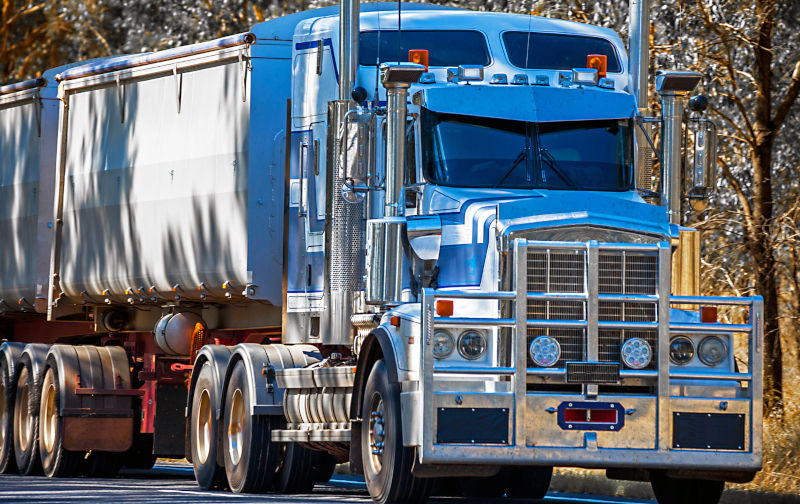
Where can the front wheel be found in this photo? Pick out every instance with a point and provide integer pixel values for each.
(387, 463)
(685, 491)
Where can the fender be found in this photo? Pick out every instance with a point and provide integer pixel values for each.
(378, 342)
(218, 356)
(96, 399)
(35, 353)
(10, 353)
(260, 361)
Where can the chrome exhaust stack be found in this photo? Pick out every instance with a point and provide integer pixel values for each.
(384, 244)
(674, 87)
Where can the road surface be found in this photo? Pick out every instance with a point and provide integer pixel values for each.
(174, 484)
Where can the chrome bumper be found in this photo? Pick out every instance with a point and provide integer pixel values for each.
(529, 430)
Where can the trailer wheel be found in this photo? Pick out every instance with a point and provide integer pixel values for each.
(56, 461)
(7, 462)
(104, 464)
(250, 455)
(26, 423)
(387, 463)
(204, 431)
(529, 482)
(685, 491)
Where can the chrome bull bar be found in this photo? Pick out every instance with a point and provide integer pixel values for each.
(517, 450)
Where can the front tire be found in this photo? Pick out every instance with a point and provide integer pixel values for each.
(387, 463)
(204, 431)
(250, 455)
(26, 423)
(529, 482)
(56, 461)
(685, 491)
(7, 462)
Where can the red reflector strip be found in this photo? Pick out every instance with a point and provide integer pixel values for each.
(583, 415)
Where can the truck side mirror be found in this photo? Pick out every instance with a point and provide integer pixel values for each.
(700, 153)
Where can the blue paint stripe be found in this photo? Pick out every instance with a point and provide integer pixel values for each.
(310, 44)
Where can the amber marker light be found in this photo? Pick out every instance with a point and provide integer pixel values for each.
(444, 307)
(419, 56)
(709, 314)
(599, 62)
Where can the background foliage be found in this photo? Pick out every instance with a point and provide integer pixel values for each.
(748, 50)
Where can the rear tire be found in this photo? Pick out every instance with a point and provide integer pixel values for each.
(26, 421)
(529, 482)
(7, 462)
(57, 462)
(104, 464)
(296, 474)
(685, 491)
(250, 455)
(387, 463)
(204, 431)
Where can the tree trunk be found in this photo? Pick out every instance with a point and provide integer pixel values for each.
(760, 246)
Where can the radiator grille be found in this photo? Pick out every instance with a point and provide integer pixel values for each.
(562, 272)
(619, 272)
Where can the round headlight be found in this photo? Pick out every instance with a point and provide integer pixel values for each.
(442, 344)
(636, 353)
(712, 351)
(681, 350)
(471, 345)
(545, 351)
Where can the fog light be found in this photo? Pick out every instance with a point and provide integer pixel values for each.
(712, 351)
(443, 344)
(545, 351)
(471, 345)
(636, 353)
(681, 350)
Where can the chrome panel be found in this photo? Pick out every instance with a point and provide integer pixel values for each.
(542, 429)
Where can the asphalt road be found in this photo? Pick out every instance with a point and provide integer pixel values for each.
(175, 485)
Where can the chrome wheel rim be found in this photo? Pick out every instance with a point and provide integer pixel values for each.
(377, 433)
(22, 416)
(49, 418)
(236, 427)
(202, 442)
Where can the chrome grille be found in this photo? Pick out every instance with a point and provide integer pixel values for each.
(627, 273)
(564, 271)
(561, 271)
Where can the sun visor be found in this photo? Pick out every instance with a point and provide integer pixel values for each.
(530, 103)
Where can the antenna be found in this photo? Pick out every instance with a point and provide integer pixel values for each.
(399, 32)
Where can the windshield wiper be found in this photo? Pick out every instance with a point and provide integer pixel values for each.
(520, 158)
(550, 161)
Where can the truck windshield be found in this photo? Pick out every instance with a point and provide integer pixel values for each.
(466, 151)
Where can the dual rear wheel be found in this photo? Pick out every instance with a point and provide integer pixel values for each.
(238, 452)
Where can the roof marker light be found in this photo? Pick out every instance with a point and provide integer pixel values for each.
(599, 62)
(499, 78)
(541, 80)
(470, 73)
(585, 76)
(606, 83)
(565, 79)
(427, 78)
(419, 56)
(520, 80)
(452, 75)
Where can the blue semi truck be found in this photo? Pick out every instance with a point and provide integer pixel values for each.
(438, 244)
